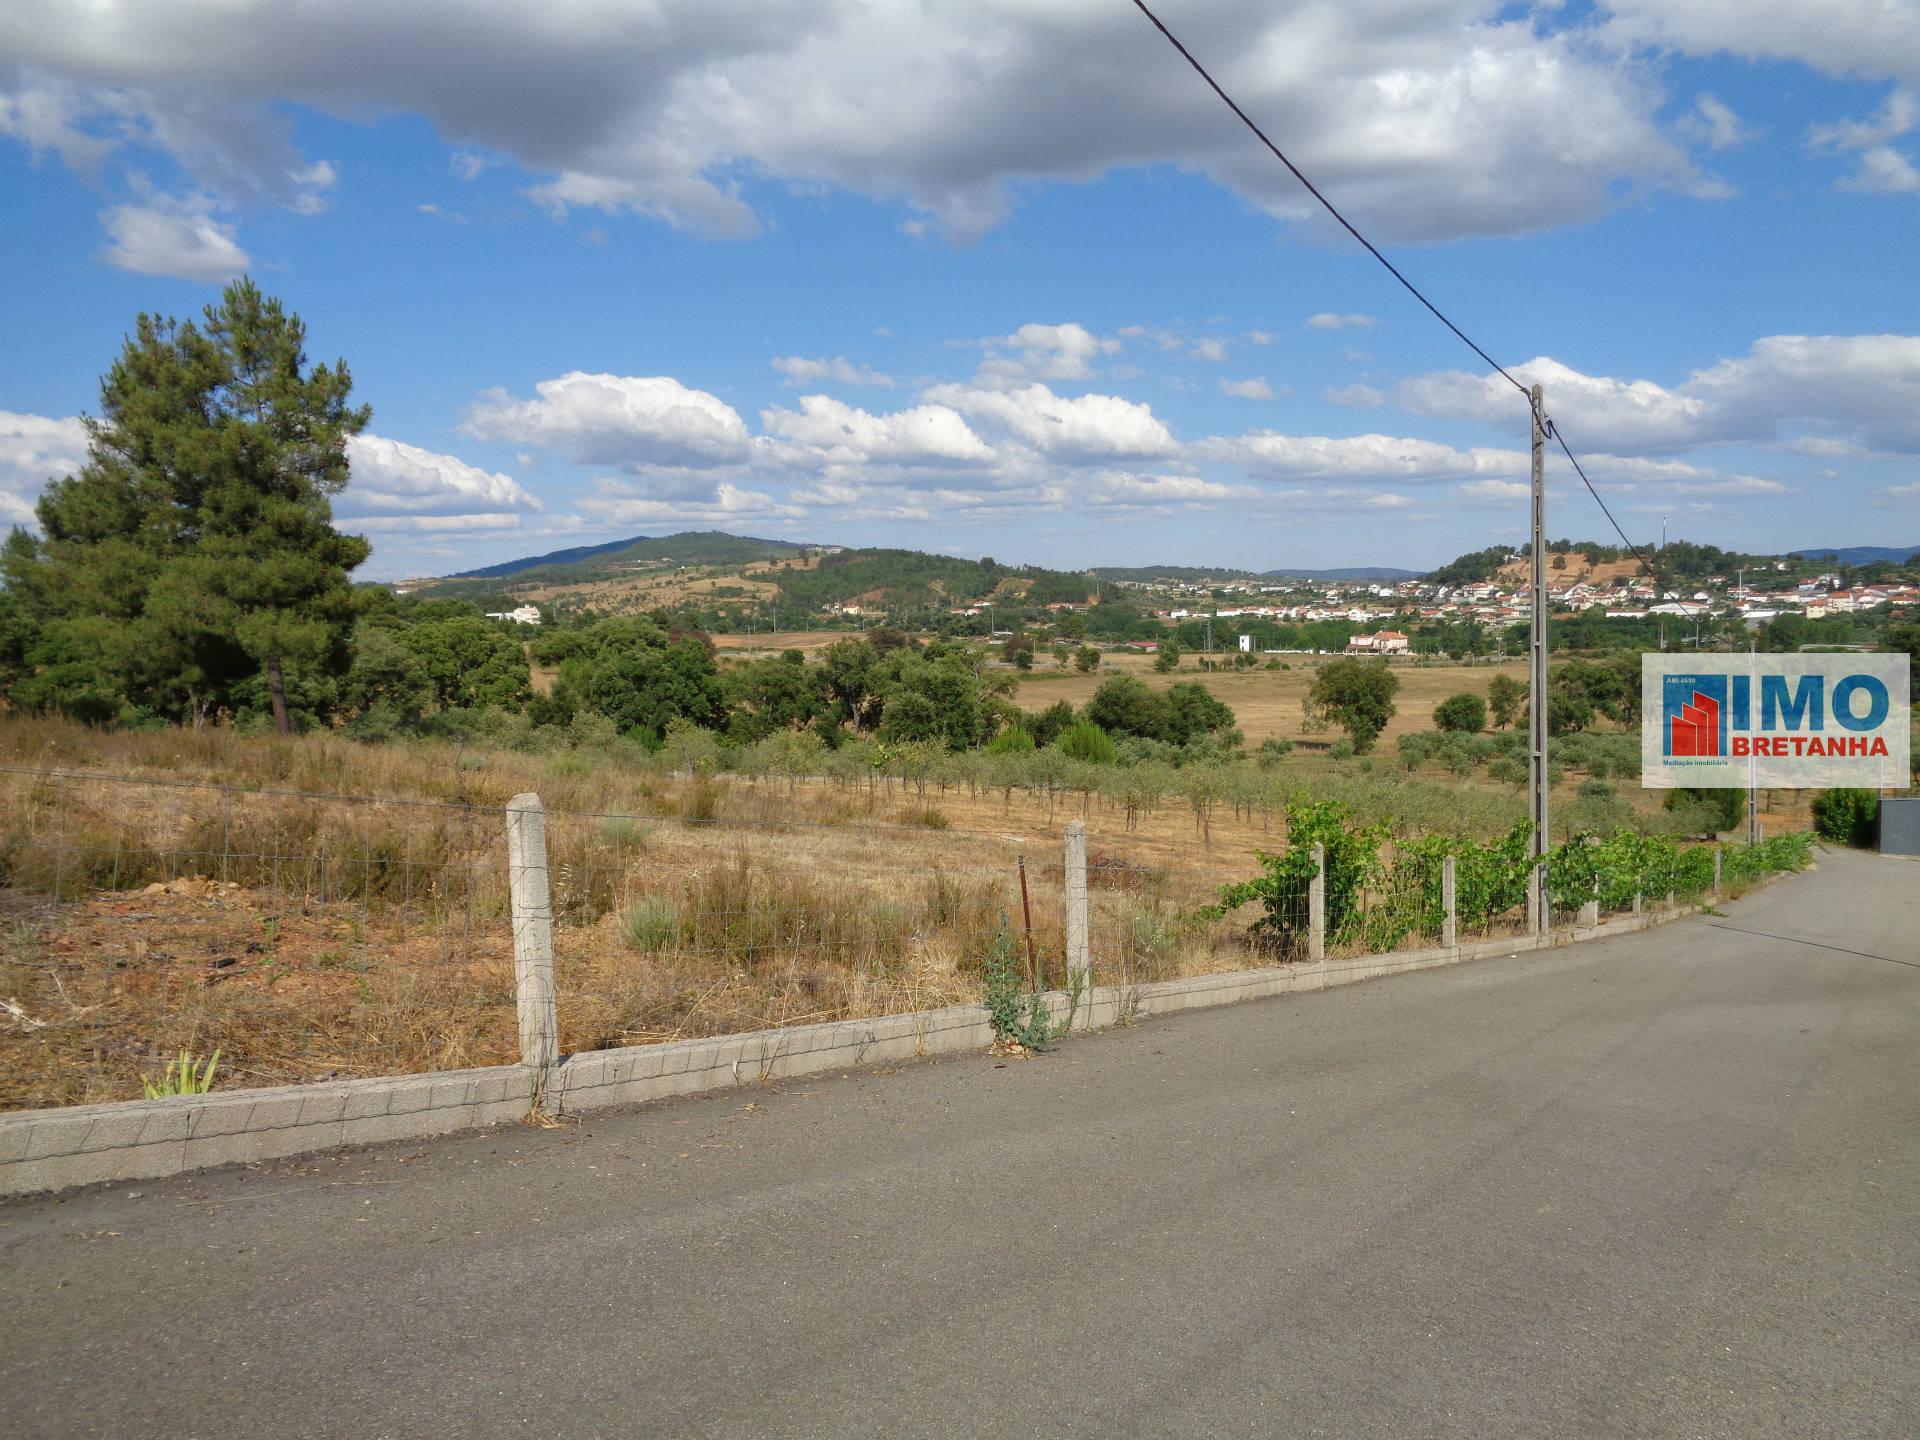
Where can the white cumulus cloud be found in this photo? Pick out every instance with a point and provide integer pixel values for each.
(631, 420)
(1879, 168)
(33, 450)
(1430, 121)
(1870, 39)
(801, 371)
(177, 237)
(1864, 388)
(393, 476)
(1045, 352)
(724, 504)
(1269, 455)
(1085, 427)
(842, 434)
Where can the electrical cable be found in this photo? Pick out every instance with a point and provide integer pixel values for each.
(1546, 424)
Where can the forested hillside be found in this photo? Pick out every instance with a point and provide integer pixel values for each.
(907, 580)
(691, 547)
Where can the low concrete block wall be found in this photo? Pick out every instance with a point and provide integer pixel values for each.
(144, 1139)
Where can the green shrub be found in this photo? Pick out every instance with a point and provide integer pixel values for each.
(626, 832)
(1150, 937)
(1465, 713)
(1711, 810)
(1341, 749)
(1087, 741)
(651, 924)
(1847, 816)
(1272, 750)
(1015, 1016)
(1014, 740)
(1353, 861)
(1595, 789)
(1513, 771)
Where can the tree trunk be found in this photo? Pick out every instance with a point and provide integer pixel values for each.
(276, 687)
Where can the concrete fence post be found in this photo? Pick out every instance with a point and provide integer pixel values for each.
(1637, 904)
(1450, 904)
(532, 940)
(1317, 906)
(1716, 872)
(1079, 963)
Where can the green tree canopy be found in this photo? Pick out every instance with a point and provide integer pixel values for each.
(195, 549)
(1126, 706)
(1356, 695)
(1508, 699)
(1193, 713)
(642, 678)
(1465, 713)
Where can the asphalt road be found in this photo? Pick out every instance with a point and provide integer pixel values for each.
(1667, 1185)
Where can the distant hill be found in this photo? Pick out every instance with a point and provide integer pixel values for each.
(1351, 572)
(896, 580)
(1188, 574)
(1200, 574)
(1860, 554)
(616, 559)
(879, 581)
(552, 557)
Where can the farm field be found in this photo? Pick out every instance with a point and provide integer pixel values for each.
(772, 642)
(663, 586)
(1267, 702)
(313, 907)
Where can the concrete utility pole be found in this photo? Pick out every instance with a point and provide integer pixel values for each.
(1537, 912)
(1753, 791)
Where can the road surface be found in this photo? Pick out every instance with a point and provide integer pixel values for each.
(1666, 1185)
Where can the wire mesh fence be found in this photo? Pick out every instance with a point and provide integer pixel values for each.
(304, 936)
(308, 936)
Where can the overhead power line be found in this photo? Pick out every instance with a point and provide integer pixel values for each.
(1414, 290)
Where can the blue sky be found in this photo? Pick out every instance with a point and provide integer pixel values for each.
(1003, 278)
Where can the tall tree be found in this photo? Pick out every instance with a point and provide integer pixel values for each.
(1356, 695)
(195, 550)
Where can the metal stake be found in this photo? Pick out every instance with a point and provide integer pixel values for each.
(1026, 912)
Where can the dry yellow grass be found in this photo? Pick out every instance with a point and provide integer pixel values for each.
(1572, 567)
(215, 898)
(221, 895)
(772, 642)
(665, 586)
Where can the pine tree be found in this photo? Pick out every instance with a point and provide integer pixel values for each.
(195, 551)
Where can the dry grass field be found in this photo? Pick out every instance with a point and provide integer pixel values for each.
(1573, 567)
(312, 907)
(1267, 702)
(772, 642)
(666, 586)
(222, 893)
